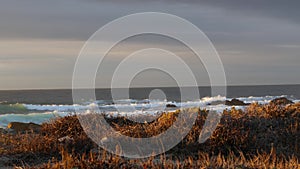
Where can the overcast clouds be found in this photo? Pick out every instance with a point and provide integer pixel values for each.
(258, 41)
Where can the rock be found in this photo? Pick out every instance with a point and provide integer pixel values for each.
(281, 101)
(214, 103)
(22, 127)
(171, 106)
(235, 102)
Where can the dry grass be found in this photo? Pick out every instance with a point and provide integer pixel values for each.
(201, 160)
(264, 136)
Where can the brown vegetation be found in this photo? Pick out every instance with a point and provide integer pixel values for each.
(262, 136)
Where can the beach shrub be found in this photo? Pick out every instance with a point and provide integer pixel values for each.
(260, 136)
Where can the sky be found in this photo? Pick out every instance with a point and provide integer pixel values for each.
(257, 41)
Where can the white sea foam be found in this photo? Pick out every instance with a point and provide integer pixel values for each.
(260, 100)
(127, 107)
(143, 105)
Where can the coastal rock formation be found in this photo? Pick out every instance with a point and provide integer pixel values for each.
(281, 101)
(21, 127)
(235, 102)
(214, 103)
(171, 106)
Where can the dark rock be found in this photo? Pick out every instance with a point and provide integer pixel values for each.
(22, 127)
(281, 101)
(214, 103)
(171, 106)
(235, 102)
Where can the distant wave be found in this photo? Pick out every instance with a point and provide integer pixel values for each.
(12, 108)
(145, 104)
(23, 112)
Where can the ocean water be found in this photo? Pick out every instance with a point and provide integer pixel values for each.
(39, 106)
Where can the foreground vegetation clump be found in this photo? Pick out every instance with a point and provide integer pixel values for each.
(261, 136)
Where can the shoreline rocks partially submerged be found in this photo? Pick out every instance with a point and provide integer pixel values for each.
(236, 102)
(282, 101)
(277, 101)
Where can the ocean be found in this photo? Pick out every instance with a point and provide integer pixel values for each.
(39, 106)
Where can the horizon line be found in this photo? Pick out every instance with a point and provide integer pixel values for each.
(137, 87)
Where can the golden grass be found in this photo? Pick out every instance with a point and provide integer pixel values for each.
(201, 160)
(262, 136)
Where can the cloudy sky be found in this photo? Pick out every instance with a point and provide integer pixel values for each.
(258, 41)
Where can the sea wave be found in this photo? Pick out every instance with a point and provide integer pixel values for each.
(145, 104)
(127, 107)
(37, 118)
(12, 108)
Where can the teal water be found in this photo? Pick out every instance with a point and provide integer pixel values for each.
(12, 108)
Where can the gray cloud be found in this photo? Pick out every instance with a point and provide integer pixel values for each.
(79, 19)
(278, 9)
(287, 10)
(256, 39)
